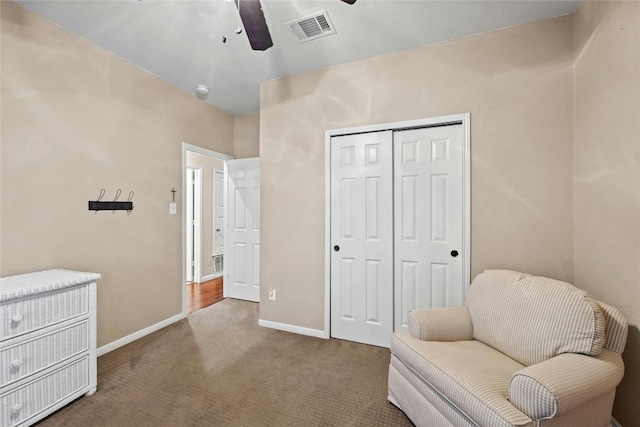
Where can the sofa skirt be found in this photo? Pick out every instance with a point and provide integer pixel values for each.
(422, 405)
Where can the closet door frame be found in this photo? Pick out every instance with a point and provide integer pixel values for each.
(465, 120)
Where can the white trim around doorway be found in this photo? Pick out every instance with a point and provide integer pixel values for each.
(197, 218)
(206, 152)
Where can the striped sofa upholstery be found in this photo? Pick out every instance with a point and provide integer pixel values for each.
(522, 351)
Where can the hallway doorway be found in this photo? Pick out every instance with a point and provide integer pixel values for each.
(202, 227)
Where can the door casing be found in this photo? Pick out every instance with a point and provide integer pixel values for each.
(465, 120)
(194, 213)
(206, 152)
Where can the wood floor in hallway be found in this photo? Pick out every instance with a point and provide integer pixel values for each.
(201, 295)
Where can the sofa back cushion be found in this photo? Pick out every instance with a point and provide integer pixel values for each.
(532, 319)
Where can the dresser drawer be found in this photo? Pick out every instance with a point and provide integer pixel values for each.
(36, 354)
(24, 315)
(22, 403)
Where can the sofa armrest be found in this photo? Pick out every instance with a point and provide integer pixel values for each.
(441, 324)
(562, 383)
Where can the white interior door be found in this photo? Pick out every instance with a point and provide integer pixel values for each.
(429, 215)
(362, 238)
(398, 225)
(243, 224)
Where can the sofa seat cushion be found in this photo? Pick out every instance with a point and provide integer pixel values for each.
(472, 376)
(532, 319)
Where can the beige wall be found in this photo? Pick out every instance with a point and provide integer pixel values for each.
(208, 165)
(517, 85)
(607, 172)
(246, 135)
(76, 118)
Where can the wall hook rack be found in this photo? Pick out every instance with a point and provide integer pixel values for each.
(113, 205)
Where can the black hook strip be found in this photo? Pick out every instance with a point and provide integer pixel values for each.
(110, 206)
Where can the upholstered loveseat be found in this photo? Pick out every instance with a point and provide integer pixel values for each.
(521, 351)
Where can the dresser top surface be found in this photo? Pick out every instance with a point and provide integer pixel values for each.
(29, 284)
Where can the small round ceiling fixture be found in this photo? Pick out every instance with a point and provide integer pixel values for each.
(202, 91)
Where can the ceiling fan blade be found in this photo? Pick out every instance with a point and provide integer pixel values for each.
(349, 1)
(255, 25)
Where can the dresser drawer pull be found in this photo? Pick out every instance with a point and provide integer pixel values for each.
(16, 318)
(16, 363)
(15, 410)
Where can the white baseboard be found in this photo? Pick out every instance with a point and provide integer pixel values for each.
(292, 328)
(210, 277)
(615, 423)
(137, 335)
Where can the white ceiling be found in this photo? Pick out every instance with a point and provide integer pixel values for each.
(181, 41)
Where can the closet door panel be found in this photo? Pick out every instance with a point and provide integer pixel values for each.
(362, 238)
(428, 211)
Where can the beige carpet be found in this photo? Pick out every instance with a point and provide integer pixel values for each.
(218, 368)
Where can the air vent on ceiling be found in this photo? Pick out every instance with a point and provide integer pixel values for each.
(312, 27)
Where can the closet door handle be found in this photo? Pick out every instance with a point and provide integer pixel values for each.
(454, 253)
(336, 248)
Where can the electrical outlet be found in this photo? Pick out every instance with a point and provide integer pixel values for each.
(272, 294)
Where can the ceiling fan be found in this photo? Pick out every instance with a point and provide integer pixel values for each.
(255, 25)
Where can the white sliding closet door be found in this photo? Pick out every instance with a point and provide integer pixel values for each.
(362, 238)
(429, 216)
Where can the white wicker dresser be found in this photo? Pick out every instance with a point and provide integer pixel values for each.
(47, 343)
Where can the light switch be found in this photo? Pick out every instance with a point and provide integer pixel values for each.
(172, 209)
